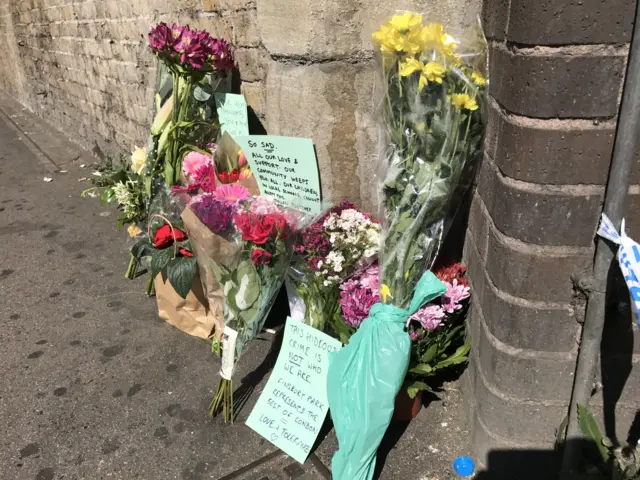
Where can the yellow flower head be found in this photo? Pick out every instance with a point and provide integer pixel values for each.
(431, 72)
(434, 72)
(409, 66)
(478, 79)
(138, 158)
(385, 292)
(405, 22)
(133, 230)
(400, 34)
(463, 100)
(435, 38)
(388, 40)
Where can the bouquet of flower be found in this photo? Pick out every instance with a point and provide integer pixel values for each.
(122, 182)
(339, 243)
(254, 242)
(436, 330)
(187, 120)
(169, 250)
(432, 111)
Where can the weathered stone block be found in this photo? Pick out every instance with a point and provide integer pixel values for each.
(540, 214)
(551, 151)
(562, 22)
(525, 374)
(513, 321)
(251, 63)
(321, 102)
(337, 28)
(554, 85)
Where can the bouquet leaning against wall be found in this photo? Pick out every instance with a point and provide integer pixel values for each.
(338, 244)
(432, 121)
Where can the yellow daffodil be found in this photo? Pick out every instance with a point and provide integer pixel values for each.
(385, 292)
(405, 22)
(133, 230)
(478, 79)
(138, 158)
(463, 100)
(431, 72)
(435, 38)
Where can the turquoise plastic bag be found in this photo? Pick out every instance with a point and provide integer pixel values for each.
(364, 379)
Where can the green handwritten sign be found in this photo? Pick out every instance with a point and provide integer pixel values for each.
(293, 405)
(286, 169)
(232, 113)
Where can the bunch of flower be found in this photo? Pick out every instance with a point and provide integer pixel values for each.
(170, 251)
(258, 243)
(433, 117)
(190, 48)
(122, 182)
(339, 243)
(436, 330)
(186, 120)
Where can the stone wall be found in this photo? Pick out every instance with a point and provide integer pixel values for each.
(305, 66)
(556, 77)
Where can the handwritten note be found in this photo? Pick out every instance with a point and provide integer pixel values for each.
(232, 113)
(286, 169)
(293, 406)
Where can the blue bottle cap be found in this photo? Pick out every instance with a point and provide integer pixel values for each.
(464, 466)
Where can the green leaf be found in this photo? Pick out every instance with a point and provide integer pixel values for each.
(430, 354)
(202, 92)
(417, 386)
(590, 429)
(422, 369)
(142, 248)
(181, 272)
(248, 281)
(160, 259)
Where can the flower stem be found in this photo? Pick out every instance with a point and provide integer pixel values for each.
(133, 267)
(151, 288)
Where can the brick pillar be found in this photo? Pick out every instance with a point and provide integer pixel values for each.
(556, 71)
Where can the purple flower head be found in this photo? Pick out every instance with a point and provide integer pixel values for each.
(357, 296)
(177, 31)
(455, 294)
(415, 335)
(160, 37)
(221, 55)
(213, 212)
(192, 48)
(430, 317)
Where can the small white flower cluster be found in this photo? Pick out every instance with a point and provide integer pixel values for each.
(355, 242)
(124, 197)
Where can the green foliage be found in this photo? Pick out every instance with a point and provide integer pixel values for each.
(616, 462)
(436, 351)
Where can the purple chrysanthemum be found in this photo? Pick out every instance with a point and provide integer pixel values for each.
(213, 212)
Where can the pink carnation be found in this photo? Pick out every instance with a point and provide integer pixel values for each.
(193, 162)
(430, 317)
(454, 295)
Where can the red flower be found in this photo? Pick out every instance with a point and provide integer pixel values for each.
(165, 237)
(226, 177)
(257, 228)
(447, 271)
(260, 257)
(185, 253)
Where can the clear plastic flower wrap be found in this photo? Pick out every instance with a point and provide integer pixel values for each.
(432, 111)
(243, 245)
(339, 243)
